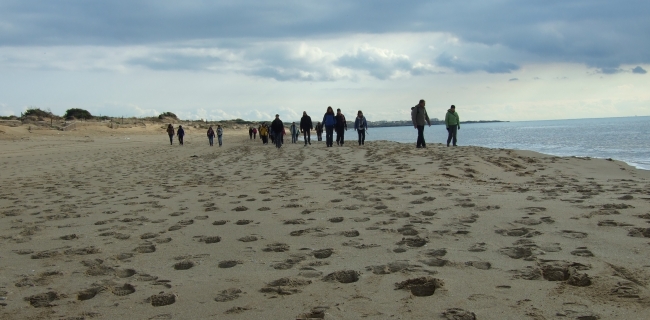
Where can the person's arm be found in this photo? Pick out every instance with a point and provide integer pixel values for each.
(426, 116)
(414, 114)
(458, 120)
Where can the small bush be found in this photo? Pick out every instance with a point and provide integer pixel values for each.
(36, 112)
(77, 114)
(167, 115)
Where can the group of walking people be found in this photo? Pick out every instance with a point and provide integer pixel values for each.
(331, 123)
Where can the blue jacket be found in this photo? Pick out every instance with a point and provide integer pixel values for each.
(360, 123)
(329, 120)
(180, 132)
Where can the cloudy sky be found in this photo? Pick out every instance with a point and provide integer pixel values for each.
(493, 59)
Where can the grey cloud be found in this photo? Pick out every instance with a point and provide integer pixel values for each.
(513, 79)
(600, 34)
(461, 65)
(610, 70)
(381, 64)
(639, 70)
(175, 62)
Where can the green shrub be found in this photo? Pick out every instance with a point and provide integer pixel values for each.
(36, 112)
(167, 115)
(77, 114)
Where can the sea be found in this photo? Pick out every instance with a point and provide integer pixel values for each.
(626, 139)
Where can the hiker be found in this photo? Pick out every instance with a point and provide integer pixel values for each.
(419, 117)
(341, 124)
(361, 125)
(264, 131)
(319, 131)
(452, 121)
(170, 132)
(180, 133)
(278, 128)
(211, 136)
(219, 133)
(250, 132)
(306, 125)
(329, 120)
(254, 133)
(294, 132)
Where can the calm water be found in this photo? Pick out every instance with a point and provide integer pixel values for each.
(626, 139)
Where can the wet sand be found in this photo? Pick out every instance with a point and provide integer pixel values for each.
(106, 224)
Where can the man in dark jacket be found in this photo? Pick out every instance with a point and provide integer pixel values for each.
(278, 128)
(420, 117)
(341, 127)
(305, 127)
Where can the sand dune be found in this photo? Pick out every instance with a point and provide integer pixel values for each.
(106, 224)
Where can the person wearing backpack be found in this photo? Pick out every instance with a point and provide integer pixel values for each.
(306, 125)
(341, 127)
(219, 133)
(180, 133)
(170, 132)
(329, 121)
(264, 132)
(361, 125)
(211, 136)
(452, 121)
(419, 117)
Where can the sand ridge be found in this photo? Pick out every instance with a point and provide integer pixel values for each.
(115, 224)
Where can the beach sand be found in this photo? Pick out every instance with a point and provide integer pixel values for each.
(103, 223)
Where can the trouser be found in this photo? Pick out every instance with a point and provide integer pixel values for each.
(272, 135)
(171, 139)
(320, 135)
(219, 137)
(453, 130)
(294, 137)
(254, 135)
(264, 139)
(278, 140)
(306, 135)
(340, 132)
(329, 136)
(420, 142)
(362, 136)
(180, 139)
(211, 140)
(251, 135)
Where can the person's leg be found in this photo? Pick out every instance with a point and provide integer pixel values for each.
(220, 140)
(359, 132)
(328, 136)
(363, 140)
(210, 140)
(180, 138)
(171, 139)
(450, 135)
(342, 136)
(455, 133)
(304, 136)
(309, 137)
(420, 141)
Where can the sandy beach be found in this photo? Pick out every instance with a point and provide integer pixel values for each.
(102, 223)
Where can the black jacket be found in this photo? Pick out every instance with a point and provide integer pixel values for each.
(277, 126)
(305, 123)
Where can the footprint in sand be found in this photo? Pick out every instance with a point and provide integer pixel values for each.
(420, 287)
(162, 299)
(573, 234)
(483, 265)
(228, 263)
(343, 276)
(228, 295)
(582, 252)
(184, 265)
(458, 314)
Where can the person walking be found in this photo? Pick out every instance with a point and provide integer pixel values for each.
(329, 121)
(452, 121)
(419, 117)
(180, 133)
(361, 125)
(294, 132)
(211, 136)
(219, 134)
(306, 125)
(170, 132)
(254, 133)
(319, 131)
(264, 131)
(278, 128)
(341, 127)
(250, 132)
